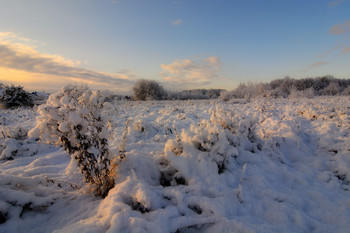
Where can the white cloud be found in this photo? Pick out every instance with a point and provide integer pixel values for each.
(18, 56)
(187, 73)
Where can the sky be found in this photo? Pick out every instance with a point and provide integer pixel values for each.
(182, 44)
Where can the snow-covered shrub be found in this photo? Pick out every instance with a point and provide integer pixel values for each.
(39, 97)
(14, 96)
(240, 131)
(3, 212)
(11, 148)
(17, 133)
(226, 96)
(307, 93)
(199, 94)
(201, 146)
(213, 139)
(77, 119)
(12, 143)
(332, 89)
(244, 91)
(148, 90)
(346, 91)
(14, 127)
(194, 94)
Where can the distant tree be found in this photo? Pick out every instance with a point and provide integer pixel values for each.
(346, 91)
(321, 83)
(306, 93)
(276, 83)
(286, 86)
(149, 90)
(303, 84)
(332, 89)
(14, 96)
(343, 84)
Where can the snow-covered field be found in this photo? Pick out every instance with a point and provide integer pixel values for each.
(270, 165)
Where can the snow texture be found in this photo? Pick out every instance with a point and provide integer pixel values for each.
(269, 165)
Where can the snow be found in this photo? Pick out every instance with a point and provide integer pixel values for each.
(269, 165)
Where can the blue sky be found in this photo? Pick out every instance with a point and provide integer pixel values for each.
(182, 44)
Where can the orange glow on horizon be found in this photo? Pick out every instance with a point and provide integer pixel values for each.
(33, 81)
(44, 82)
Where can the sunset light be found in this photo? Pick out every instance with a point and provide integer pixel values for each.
(181, 44)
(174, 116)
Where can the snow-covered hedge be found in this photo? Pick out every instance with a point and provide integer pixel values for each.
(77, 119)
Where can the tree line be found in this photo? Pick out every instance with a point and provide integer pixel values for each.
(288, 87)
(16, 96)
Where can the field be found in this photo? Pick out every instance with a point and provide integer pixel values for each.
(267, 165)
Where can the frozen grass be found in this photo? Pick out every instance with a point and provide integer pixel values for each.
(191, 166)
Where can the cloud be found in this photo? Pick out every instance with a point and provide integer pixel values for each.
(10, 37)
(317, 64)
(335, 3)
(345, 50)
(177, 22)
(187, 73)
(18, 56)
(340, 28)
(4, 35)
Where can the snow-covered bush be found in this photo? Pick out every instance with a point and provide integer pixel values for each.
(8, 148)
(14, 127)
(148, 90)
(11, 144)
(39, 97)
(15, 142)
(14, 96)
(346, 91)
(11, 148)
(77, 119)
(307, 93)
(196, 94)
(226, 96)
(17, 133)
(207, 147)
(246, 91)
(332, 89)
